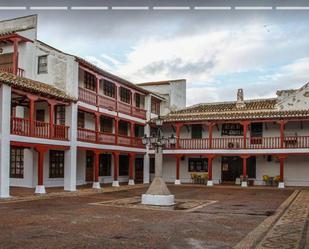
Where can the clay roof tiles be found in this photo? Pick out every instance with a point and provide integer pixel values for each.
(36, 87)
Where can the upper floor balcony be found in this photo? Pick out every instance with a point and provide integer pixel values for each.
(281, 134)
(9, 69)
(106, 93)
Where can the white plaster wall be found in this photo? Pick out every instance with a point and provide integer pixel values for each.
(81, 167)
(298, 100)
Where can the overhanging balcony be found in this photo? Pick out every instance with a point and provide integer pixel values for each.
(23, 127)
(237, 143)
(103, 101)
(9, 69)
(91, 136)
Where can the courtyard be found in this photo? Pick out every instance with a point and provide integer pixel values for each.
(220, 217)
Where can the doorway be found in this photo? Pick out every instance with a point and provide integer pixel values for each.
(139, 170)
(231, 168)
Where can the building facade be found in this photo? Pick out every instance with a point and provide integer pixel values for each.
(65, 122)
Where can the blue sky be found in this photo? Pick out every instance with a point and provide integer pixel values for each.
(215, 51)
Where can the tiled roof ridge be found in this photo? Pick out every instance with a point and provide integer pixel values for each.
(35, 86)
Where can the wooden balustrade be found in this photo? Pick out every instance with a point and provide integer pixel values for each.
(124, 108)
(9, 69)
(124, 140)
(139, 112)
(87, 96)
(23, 127)
(108, 103)
(106, 138)
(234, 143)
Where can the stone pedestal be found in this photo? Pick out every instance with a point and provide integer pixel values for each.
(281, 185)
(115, 184)
(244, 184)
(96, 185)
(177, 182)
(210, 183)
(131, 182)
(40, 189)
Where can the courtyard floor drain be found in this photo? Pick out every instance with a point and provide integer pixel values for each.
(185, 205)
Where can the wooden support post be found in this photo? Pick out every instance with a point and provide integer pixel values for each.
(116, 129)
(132, 135)
(52, 105)
(97, 91)
(177, 181)
(116, 168)
(97, 125)
(178, 129)
(40, 188)
(131, 168)
(282, 124)
(15, 56)
(244, 182)
(245, 128)
(210, 126)
(281, 181)
(32, 100)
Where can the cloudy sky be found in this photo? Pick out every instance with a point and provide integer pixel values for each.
(216, 51)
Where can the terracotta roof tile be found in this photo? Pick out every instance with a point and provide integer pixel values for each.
(36, 87)
(254, 109)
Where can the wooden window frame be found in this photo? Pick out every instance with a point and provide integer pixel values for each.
(56, 164)
(232, 129)
(121, 126)
(105, 165)
(90, 81)
(80, 119)
(109, 89)
(194, 167)
(43, 66)
(155, 106)
(106, 124)
(125, 95)
(17, 158)
(60, 114)
(196, 134)
(123, 165)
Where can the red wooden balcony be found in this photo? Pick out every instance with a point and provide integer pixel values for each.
(91, 136)
(234, 143)
(23, 127)
(9, 69)
(91, 97)
(87, 96)
(108, 103)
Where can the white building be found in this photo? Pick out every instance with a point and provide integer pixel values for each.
(66, 122)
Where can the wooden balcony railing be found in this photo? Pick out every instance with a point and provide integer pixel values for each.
(234, 143)
(9, 69)
(23, 127)
(90, 97)
(91, 136)
(87, 96)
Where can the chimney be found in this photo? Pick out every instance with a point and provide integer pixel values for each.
(240, 103)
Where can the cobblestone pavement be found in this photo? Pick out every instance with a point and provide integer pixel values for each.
(66, 221)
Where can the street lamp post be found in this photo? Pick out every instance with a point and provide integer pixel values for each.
(158, 193)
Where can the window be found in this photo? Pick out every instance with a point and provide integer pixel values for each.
(232, 130)
(138, 130)
(198, 165)
(123, 128)
(60, 114)
(152, 165)
(106, 125)
(109, 88)
(40, 115)
(105, 164)
(125, 95)
(197, 131)
(42, 64)
(123, 165)
(256, 133)
(81, 120)
(56, 164)
(89, 81)
(17, 162)
(155, 106)
(139, 100)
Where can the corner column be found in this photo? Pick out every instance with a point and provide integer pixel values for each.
(177, 181)
(116, 169)
(96, 183)
(244, 182)
(40, 188)
(131, 168)
(71, 154)
(5, 119)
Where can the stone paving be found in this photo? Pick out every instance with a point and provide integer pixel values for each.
(286, 229)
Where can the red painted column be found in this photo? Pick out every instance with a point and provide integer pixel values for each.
(51, 117)
(132, 135)
(40, 189)
(97, 125)
(116, 169)
(131, 166)
(281, 159)
(210, 159)
(32, 100)
(178, 128)
(244, 166)
(96, 166)
(245, 127)
(282, 123)
(15, 56)
(97, 91)
(210, 126)
(116, 129)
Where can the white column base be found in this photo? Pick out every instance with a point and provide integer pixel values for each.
(96, 185)
(281, 185)
(158, 200)
(210, 183)
(40, 189)
(115, 184)
(177, 182)
(244, 184)
(131, 182)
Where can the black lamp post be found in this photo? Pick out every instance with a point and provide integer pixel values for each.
(158, 193)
